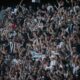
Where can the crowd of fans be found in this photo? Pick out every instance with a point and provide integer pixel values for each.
(40, 44)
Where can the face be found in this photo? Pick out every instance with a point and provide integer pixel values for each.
(43, 6)
(74, 49)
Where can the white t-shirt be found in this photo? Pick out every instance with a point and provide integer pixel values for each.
(11, 46)
(14, 61)
(53, 63)
(49, 7)
(15, 11)
(61, 44)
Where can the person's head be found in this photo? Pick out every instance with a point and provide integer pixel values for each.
(74, 50)
(49, 4)
(43, 6)
(24, 5)
(2, 8)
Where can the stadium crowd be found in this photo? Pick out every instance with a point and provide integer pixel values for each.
(40, 44)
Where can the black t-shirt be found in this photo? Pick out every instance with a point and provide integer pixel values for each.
(78, 48)
(77, 45)
(67, 4)
(25, 36)
(47, 78)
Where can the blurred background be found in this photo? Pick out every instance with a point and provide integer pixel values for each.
(27, 2)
